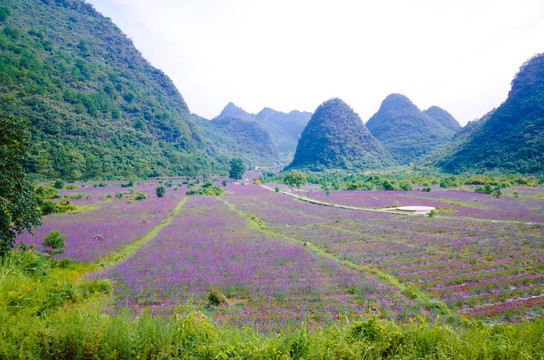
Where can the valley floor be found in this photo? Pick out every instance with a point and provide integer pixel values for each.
(259, 259)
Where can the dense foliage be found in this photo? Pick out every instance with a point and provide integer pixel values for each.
(295, 178)
(18, 205)
(336, 138)
(284, 129)
(251, 136)
(406, 131)
(98, 108)
(443, 117)
(237, 168)
(402, 179)
(511, 137)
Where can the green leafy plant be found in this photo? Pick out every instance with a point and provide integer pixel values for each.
(160, 191)
(18, 205)
(140, 196)
(53, 243)
(237, 168)
(295, 178)
(59, 184)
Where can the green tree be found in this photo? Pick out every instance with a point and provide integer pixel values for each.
(18, 206)
(160, 191)
(295, 178)
(59, 184)
(236, 168)
(53, 243)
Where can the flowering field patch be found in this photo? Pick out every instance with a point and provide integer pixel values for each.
(464, 203)
(113, 224)
(268, 282)
(478, 267)
(241, 259)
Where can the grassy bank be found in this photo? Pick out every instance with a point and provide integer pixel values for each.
(48, 312)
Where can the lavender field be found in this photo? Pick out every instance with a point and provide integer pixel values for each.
(274, 261)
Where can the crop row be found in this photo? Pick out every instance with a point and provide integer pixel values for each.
(209, 257)
(468, 264)
(108, 227)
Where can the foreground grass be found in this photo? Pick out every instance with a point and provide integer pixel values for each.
(47, 313)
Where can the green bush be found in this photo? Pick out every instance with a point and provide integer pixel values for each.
(46, 192)
(140, 196)
(160, 191)
(65, 206)
(59, 184)
(53, 243)
(208, 191)
(129, 184)
(48, 207)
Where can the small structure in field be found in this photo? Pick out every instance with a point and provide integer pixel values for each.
(416, 210)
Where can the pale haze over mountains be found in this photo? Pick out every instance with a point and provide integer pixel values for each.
(293, 55)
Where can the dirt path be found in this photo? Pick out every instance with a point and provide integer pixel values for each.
(385, 211)
(323, 203)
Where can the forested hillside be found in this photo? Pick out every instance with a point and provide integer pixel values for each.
(406, 131)
(509, 138)
(443, 117)
(336, 138)
(250, 141)
(98, 108)
(284, 129)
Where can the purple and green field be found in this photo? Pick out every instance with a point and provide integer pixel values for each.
(275, 261)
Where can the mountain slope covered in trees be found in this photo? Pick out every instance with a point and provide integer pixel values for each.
(284, 129)
(406, 131)
(249, 140)
(443, 117)
(97, 107)
(510, 137)
(336, 138)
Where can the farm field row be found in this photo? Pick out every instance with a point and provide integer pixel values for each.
(241, 259)
(479, 268)
(208, 257)
(528, 207)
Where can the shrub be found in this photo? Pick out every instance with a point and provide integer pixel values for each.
(404, 185)
(388, 186)
(64, 206)
(48, 207)
(209, 191)
(59, 184)
(129, 184)
(160, 191)
(53, 243)
(140, 196)
(46, 192)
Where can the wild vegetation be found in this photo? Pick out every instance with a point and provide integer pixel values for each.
(336, 138)
(97, 108)
(482, 146)
(407, 132)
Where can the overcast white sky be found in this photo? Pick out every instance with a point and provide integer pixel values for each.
(294, 54)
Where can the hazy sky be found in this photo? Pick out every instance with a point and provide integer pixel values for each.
(294, 54)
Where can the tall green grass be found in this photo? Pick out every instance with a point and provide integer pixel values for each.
(47, 312)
